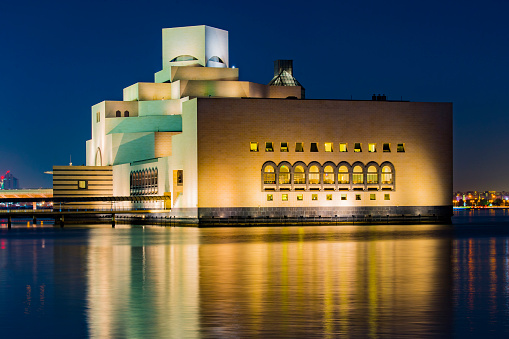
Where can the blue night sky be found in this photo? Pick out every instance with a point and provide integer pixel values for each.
(58, 58)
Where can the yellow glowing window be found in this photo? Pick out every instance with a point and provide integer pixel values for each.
(314, 147)
(284, 175)
(269, 197)
(269, 147)
(329, 196)
(401, 148)
(387, 147)
(299, 177)
(372, 175)
(253, 146)
(387, 197)
(328, 147)
(269, 175)
(328, 175)
(299, 147)
(344, 176)
(358, 176)
(98, 116)
(372, 196)
(343, 196)
(386, 175)
(314, 196)
(300, 197)
(284, 147)
(342, 147)
(285, 197)
(372, 148)
(314, 175)
(357, 147)
(357, 197)
(82, 184)
(180, 177)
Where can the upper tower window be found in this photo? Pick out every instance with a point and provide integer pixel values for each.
(216, 59)
(183, 58)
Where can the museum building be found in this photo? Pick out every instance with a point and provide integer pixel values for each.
(220, 147)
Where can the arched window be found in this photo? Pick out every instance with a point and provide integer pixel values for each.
(183, 58)
(299, 177)
(269, 175)
(328, 175)
(118, 114)
(344, 177)
(98, 157)
(358, 176)
(372, 175)
(386, 175)
(284, 175)
(126, 114)
(314, 175)
(216, 59)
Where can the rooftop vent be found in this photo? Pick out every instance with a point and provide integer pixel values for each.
(283, 75)
(379, 97)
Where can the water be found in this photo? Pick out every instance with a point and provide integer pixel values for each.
(320, 281)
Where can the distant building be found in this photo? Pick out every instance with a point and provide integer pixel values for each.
(221, 147)
(8, 182)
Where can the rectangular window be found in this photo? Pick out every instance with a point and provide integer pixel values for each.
(357, 147)
(372, 196)
(328, 147)
(270, 197)
(299, 147)
(254, 146)
(329, 196)
(180, 177)
(401, 147)
(314, 196)
(269, 147)
(387, 197)
(343, 196)
(314, 147)
(300, 197)
(372, 148)
(387, 147)
(98, 116)
(357, 197)
(82, 184)
(342, 147)
(284, 147)
(285, 197)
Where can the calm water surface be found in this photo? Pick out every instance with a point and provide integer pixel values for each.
(325, 281)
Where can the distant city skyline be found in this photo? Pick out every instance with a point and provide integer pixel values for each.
(55, 66)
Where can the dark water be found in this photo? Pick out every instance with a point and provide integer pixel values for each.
(350, 281)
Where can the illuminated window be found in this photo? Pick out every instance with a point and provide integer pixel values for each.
(284, 175)
(386, 175)
(401, 148)
(314, 147)
(328, 147)
(269, 176)
(314, 196)
(329, 196)
(372, 175)
(98, 116)
(372, 196)
(269, 147)
(284, 197)
(118, 114)
(343, 177)
(284, 147)
(82, 184)
(372, 148)
(300, 197)
(343, 196)
(357, 147)
(314, 175)
(358, 176)
(357, 197)
(328, 175)
(299, 147)
(126, 114)
(387, 197)
(270, 197)
(253, 146)
(180, 177)
(144, 181)
(342, 147)
(387, 147)
(299, 177)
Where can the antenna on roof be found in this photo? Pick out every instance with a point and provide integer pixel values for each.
(70, 160)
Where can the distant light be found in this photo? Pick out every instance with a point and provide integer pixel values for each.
(233, 66)
(8, 171)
